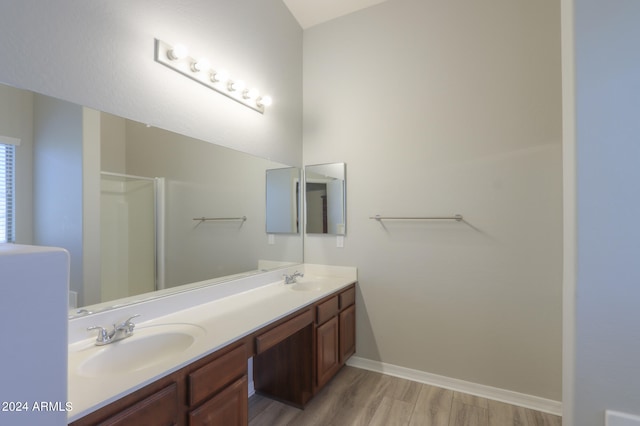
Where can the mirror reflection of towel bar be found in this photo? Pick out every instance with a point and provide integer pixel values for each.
(457, 217)
(207, 219)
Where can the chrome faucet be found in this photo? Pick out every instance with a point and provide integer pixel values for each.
(120, 331)
(291, 279)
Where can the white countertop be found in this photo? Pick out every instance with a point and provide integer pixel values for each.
(218, 322)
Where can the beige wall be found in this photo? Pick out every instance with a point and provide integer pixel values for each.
(441, 108)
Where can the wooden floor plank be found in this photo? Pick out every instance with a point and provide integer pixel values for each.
(537, 418)
(392, 412)
(273, 414)
(433, 407)
(467, 415)
(501, 414)
(404, 390)
(364, 400)
(359, 397)
(476, 401)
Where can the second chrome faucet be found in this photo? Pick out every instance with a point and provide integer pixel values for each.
(291, 279)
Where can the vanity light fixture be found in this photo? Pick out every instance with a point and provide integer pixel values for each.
(236, 86)
(264, 101)
(177, 52)
(250, 93)
(219, 76)
(200, 65)
(177, 58)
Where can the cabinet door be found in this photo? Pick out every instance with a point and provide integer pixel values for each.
(328, 356)
(228, 408)
(347, 333)
(160, 409)
(211, 378)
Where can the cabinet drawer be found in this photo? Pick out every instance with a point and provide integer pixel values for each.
(327, 309)
(281, 332)
(209, 379)
(228, 408)
(160, 409)
(347, 298)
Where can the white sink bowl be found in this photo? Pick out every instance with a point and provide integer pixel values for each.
(308, 284)
(149, 346)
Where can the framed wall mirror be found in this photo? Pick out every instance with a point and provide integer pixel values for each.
(325, 199)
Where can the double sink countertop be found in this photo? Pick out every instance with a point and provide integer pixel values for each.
(174, 331)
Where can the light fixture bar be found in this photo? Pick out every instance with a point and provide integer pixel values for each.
(208, 75)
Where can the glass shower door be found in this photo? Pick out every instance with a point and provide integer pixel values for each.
(128, 211)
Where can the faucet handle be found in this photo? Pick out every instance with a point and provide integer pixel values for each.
(129, 320)
(127, 325)
(103, 334)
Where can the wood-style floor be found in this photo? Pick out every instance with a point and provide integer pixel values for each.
(360, 397)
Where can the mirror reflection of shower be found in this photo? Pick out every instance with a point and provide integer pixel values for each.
(131, 235)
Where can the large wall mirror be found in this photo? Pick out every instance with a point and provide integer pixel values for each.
(140, 209)
(325, 189)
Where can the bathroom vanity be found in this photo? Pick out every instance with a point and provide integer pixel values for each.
(299, 336)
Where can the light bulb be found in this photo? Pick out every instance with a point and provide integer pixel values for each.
(200, 65)
(264, 101)
(250, 93)
(177, 52)
(237, 85)
(220, 75)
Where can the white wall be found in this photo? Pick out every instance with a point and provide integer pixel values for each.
(35, 366)
(57, 181)
(607, 100)
(441, 108)
(100, 54)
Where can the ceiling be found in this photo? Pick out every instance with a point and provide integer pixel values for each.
(314, 12)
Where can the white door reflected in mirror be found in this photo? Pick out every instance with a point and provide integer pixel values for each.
(325, 196)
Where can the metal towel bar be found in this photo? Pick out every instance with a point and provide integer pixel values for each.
(207, 219)
(457, 217)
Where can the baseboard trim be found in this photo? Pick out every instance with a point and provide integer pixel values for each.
(489, 392)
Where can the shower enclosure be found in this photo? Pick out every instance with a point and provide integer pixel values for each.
(131, 235)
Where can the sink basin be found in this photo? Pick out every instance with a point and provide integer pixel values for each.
(308, 284)
(147, 347)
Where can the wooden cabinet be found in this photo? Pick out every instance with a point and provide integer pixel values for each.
(298, 355)
(283, 363)
(216, 374)
(328, 354)
(210, 391)
(335, 334)
(160, 408)
(222, 385)
(293, 358)
(347, 324)
(228, 408)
